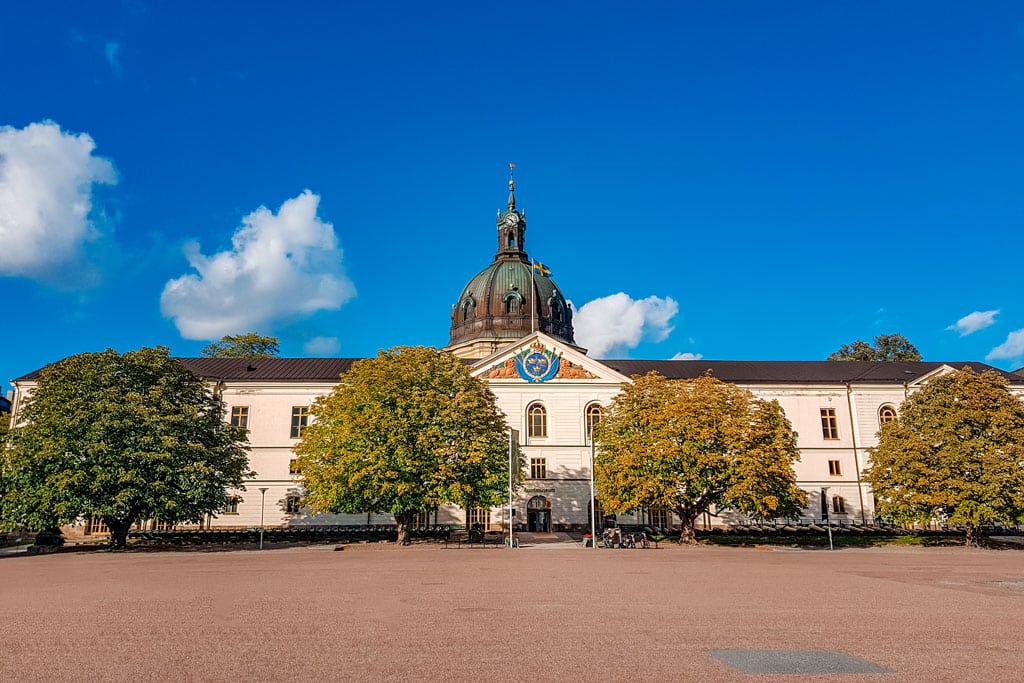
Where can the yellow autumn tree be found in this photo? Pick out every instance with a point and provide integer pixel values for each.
(687, 445)
(403, 433)
(957, 452)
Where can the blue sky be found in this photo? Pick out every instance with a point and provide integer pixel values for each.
(731, 180)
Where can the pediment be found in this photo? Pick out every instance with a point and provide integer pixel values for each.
(935, 372)
(538, 358)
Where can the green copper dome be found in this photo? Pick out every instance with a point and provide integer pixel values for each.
(510, 298)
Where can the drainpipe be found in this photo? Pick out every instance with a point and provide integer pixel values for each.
(856, 458)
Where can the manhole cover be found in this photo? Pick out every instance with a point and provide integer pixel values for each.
(796, 662)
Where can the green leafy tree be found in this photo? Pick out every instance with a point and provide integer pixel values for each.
(5, 426)
(957, 451)
(122, 438)
(886, 347)
(250, 345)
(688, 445)
(403, 433)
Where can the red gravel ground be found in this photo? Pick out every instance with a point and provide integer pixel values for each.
(378, 612)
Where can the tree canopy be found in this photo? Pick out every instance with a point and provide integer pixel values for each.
(886, 347)
(688, 445)
(403, 433)
(121, 437)
(249, 345)
(956, 451)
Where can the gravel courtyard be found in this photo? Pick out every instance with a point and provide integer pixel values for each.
(377, 612)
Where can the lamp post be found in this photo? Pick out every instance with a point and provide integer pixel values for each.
(263, 498)
(593, 500)
(828, 521)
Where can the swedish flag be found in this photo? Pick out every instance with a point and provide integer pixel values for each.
(540, 269)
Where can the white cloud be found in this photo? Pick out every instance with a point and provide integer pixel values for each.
(1013, 347)
(322, 346)
(281, 266)
(46, 203)
(617, 323)
(973, 322)
(687, 356)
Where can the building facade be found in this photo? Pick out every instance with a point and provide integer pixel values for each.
(513, 324)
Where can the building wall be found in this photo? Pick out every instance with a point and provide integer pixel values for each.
(566, 448)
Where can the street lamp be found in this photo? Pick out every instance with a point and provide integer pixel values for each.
(828, 522)
(593, 500)
(263, 498)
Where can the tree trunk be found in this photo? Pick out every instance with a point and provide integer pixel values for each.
(403, 521)
(972, 537)
(118, 533)
(689, 523)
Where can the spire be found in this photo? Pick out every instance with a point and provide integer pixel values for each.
(511, 188)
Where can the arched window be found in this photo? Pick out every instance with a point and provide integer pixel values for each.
(511, 235)
(512, 302)
(886, 414)
(593, 416)
(468, 308)
(536, 421)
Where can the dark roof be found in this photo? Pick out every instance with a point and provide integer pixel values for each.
(260, 369)
(737, 371)
(269, 369)
(798, 372)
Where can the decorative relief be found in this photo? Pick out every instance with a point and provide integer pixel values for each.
(534, 364)
(506, 370)
(572, 371)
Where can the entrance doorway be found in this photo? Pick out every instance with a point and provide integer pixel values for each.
(538, 514)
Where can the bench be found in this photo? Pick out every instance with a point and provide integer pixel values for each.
(475, 537)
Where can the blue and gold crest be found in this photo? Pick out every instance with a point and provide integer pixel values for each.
(537, 364)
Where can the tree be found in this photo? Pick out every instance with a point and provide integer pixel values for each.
(887, 347)
(250, 345)
(687, 445)
(122, 438)
(403, 433)
(957, 451)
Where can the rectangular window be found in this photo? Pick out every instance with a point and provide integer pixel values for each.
(658, 518)
(421, 519)
(300, 419)
(538, 468)
(829, 424)
(95, 525)
(292, 505)
(834, 469)
(293, 467)
(240, 416)
(479, 516)
(838, 505)
(232, 507)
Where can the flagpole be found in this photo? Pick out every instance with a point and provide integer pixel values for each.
(533, 296)
(510, 433)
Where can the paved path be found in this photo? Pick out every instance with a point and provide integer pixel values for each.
(378, 612)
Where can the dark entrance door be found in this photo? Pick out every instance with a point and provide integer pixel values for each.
(538, 515)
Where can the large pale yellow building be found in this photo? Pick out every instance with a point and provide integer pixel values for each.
(513, 323)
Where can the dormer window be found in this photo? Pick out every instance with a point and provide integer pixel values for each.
(512, 301)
